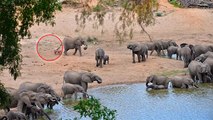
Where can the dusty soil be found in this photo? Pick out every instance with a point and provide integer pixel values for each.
(182, 25)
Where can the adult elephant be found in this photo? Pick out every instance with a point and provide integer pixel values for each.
(151, 47)
(172, 50)
(157, 81)
(185, 53)
(179, 82)
(74, 43)
(34, 101)
(202, 49)
(99, 57)
(209, 61)
(38, 87)
(81, 78)
(200, 71)
(140, 50)
(161, 45)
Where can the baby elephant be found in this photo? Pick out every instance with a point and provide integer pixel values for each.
(70, 89)
(179, 82)
(106, 59)
(99, 57)
(11, 115)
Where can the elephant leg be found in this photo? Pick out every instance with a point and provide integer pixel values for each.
(133, 57)
(96, 62)
(158, 52)
(65, 51)
(199, 77)
(75, 95)
(183, 85)
(75, 51)
(101, 61)
(151, 52)
(143, 58)
(79, 48)
(139, 60)
(85, 86)
(163, 52)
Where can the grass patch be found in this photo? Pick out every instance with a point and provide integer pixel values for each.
(172, 73)
(49, 111)
(176, 3)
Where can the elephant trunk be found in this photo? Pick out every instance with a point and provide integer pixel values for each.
(48, 117)
(195, 85)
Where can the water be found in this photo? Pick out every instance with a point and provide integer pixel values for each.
(133, 102)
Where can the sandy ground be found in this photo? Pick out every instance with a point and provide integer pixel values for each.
(182, 25)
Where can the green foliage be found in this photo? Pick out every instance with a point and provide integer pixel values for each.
(5, 97)
(92, 108)
(16, 17)
(176, 3)
(133, 12)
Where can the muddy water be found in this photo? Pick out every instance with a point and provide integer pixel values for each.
(134, 102)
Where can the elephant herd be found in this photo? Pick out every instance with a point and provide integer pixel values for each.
(31, 98)
(197, 58)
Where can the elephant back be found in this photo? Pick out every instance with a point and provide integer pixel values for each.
(100, 53)
(72, 77)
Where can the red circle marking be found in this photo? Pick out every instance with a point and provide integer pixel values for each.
(49, 60)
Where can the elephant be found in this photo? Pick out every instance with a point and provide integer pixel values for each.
(33, 101)
(156, 81)
(38, 87)
(186, 54)
(140, 50)
(203, 57)
(180, 82)
(162, 45)
(200, 71)
(13, 97)
(81, 78)
(209, 61)
(106, 59)
(12, 115)
(74, 43)
(172, 50)
(202, 49)
(71, 89)
(183, 45)
(151, 47)
(99, 57)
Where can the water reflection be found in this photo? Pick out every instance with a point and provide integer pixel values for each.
(133, 102)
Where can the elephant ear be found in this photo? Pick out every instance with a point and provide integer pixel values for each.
(137, 47)
(203, 68)
(42, 88)
(79, 41)
(87, 77)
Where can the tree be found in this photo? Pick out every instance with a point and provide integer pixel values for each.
(133, 12)
(16, 17)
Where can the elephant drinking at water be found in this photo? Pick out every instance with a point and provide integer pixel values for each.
(200, 71)
(180, 82)
(81, 78)
(157, 82)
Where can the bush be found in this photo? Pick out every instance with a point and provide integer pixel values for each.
(92, 108)
(5, 97)
(176, 3)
